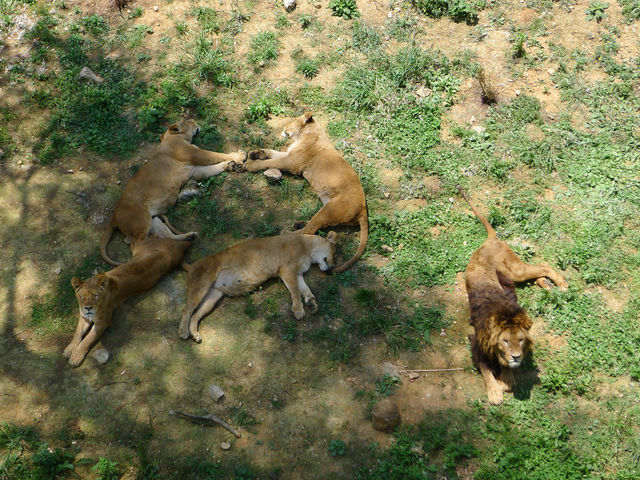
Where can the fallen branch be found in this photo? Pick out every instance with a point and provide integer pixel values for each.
(434, 370)
(110, 383)
(206, 418)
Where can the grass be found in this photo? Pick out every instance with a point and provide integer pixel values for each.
(561, 190)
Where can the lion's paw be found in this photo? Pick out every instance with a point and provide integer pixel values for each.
(311, 304)
(495, 395)
(298, 312)
(197, 338)
(239, 156)
(191, 236)
(236, 167)
(69, 350)
(259, 154)
(299, 225)
(77, 357)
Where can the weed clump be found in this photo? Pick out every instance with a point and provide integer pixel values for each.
(344, 8)
(458, 10)
(264, 48)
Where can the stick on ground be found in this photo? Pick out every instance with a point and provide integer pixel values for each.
(436, 370)
(206, 418)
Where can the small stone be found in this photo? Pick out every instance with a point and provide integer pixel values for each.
(189, 193)
(216, 392)
(89, 75)
(551, 71)
(518, 92)
(385, 415)
(273, 175)
(387, 194)
(1, 154)
(443, 333)
(155, 9)
(70, 170)
(261, 64)
(250, 364)
(390, 15)
(101, 356)
(289, 5)
(387, 248)
(478, 129)
(317, 5)
(225, 445)
(390, 369)
(58, 271)
(424, 92)
(413, 376)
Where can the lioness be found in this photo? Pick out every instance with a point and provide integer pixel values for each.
(98, 296)
(155, 187)
(501, 326)
(313, 156)
(241, 268)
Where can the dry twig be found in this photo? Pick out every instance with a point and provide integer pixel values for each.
(434, 370)
(206, 418)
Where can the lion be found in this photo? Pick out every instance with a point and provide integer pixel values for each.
(501, 327)
(242, 267)
(101, 294)
(313, 156)
(156, 186)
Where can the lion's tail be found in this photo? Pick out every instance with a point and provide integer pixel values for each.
(490, 231)
(364, 237)
(106, 236)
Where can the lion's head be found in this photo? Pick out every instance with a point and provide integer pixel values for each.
(92, 295)
(324, 250)
(501, 328)
(185, 128)
(297, 125)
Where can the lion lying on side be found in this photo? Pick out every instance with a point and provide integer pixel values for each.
(313, 156)
(501, 326)
(241, 268)
(156, 186)
(101, 294)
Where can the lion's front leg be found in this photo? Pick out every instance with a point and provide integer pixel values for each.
(80, 352)
(81, 330)
(495, 391)
(280, 160)
(309, 298)
(199, 157)
(289, 277)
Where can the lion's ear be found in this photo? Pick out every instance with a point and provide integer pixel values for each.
(332, 236)
(174, 128)
(103, 281)
(308, 117)
(76, 283)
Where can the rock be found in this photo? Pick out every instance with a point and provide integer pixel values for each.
(58, 271)
(101, 356)
(390, 369)
(518, 92)
(225, 445)
(1, 154)
(551, 71)
(413, 376)
(387, 248)
(478, 129)
(155, 9)
(89, 75)
(385, 415)
(289, 5)
(216, 392)
(189, 193)
(424, 92)
(273, 175)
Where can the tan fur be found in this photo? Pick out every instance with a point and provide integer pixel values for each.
(155, 187)
(501, 327)
(101, 294)
(241, 268)
(313, 156)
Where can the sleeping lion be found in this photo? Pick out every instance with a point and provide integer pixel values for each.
(241, 268)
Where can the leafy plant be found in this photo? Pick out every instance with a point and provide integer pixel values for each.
(457, 10)
(344, 8)
(106, 469)
(337, 448)
(307, 67)
(596, 11)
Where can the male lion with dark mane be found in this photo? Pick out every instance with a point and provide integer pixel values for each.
(501, 326)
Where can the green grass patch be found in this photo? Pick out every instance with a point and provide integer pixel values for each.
(265, 48)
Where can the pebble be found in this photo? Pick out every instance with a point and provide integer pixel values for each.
(518, 92)
(390, 369)
(58, 271)
(387, 248)
(385, 415)
(155, 9)
(101, 356)
(216, 392)
(289, 5)
(273, 175)
(225, 445)
(413, 376)
(87, 73)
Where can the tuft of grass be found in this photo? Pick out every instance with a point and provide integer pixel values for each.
(307, 67)
(265, 47)
(208, 19)
(458, 10)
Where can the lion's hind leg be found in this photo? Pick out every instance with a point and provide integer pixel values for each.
(199, 304)
(162, 230)
(519, 271)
